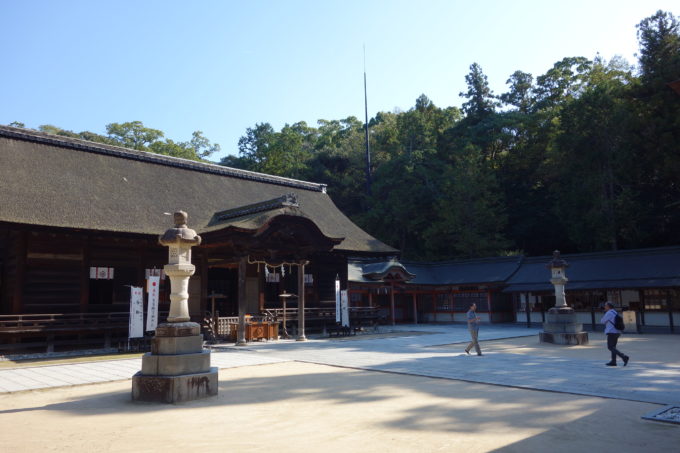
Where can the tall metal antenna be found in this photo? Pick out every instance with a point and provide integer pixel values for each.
(368, 147)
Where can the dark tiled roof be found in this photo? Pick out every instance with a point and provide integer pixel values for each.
(642, 268)
(56, 181)
(474, 271)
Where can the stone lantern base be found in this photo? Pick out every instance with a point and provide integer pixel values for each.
(177, 369)
(561, 327)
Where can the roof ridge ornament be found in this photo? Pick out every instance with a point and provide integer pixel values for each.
(557, 261)
(287, 200)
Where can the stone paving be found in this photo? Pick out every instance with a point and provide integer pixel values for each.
(38, 377)
(427, 353)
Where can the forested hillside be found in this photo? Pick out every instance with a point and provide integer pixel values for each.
(582, 158)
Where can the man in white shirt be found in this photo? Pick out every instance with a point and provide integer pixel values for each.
(613, 334)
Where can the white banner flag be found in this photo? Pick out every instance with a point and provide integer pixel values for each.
(136, 326)
(344, 308)
(337, 300)
(153, 284)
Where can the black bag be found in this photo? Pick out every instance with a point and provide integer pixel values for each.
(618, 322)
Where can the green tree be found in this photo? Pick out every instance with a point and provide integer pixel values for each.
(201, 146)
(480, 99)
(133, 134)
(521, 90)
(254, 146)
(656, 132)
(596, 198)
(470, 215)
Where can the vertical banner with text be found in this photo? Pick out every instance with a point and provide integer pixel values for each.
(337, 299)
(136, 326)
(153, 284)
(344, 308)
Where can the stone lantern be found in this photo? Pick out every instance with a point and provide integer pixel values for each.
(561, 326)
(179, 241)
(177, 368)
(559, 278)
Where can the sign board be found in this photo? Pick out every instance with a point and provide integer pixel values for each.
(152, 286)
(344, 308)
(136, 326)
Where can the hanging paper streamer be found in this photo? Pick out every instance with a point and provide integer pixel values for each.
(101, 273)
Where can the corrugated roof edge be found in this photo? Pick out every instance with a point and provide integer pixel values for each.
(144, 156)
(609, 253)
(493, 259)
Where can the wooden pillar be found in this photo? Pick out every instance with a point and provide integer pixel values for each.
(392, 303)
(415, 308)
(527, 308)
(19, 276)
(242, 301)
(85, 277)
(204, 284)
(489, 298)
(670, 311)
(370, 297)
(301, 302)
(260, 288)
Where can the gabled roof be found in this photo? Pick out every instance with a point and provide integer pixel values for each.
(462, 272)
(385, 269)
(641, 268)
(56, 181)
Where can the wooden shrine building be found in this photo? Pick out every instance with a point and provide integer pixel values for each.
(643, 282)
(79, 225)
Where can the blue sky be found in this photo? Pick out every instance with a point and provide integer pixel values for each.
(223, 66)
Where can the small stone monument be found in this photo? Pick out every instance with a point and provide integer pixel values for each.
(177, 368)
(561, 326)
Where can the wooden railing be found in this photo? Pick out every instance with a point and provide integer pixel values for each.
(356, 314)
(52, 326)
(226, 327)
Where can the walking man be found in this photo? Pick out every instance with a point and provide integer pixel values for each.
(613, 334)
(473, 327)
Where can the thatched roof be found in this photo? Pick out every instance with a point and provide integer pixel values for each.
(56, 181)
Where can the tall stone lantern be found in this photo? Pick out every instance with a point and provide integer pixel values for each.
(559, 279)
(179, 241)
(177, 368)
(561, 325)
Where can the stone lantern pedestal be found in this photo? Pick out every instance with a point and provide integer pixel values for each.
(561, 325)
(178, 368)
